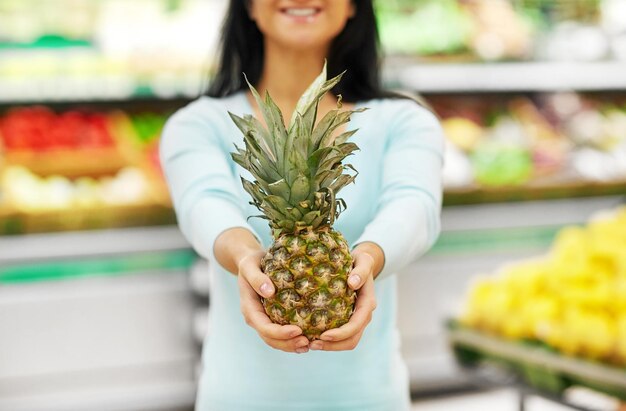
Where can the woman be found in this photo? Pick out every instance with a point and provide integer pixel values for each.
(392, 216)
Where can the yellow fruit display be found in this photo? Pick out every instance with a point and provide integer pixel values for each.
(463, 133)
(573, 299)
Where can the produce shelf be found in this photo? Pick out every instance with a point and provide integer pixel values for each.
(94, 89)
(537, 365)
(70, 163)
(510, 77)
(424, 77)
(532, 191)
(107, 266)
(14, 222)
(48, 246)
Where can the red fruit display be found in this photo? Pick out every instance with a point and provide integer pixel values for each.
(40, 129)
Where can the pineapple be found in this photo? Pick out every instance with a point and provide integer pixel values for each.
(298, 172)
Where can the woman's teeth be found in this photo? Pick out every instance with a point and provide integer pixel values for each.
(301, 12)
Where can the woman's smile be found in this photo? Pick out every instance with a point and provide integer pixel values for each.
(301, 24)
(300, 14)
(301, 11)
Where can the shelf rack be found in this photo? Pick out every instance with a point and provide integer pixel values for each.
(509, 77)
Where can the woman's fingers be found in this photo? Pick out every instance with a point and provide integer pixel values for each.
(250, 269)
(253, 282)
(255, 316)
(359, 320)
(344, 345)
(362, 315)
(363, 267)
(267, 329)
(298, 345)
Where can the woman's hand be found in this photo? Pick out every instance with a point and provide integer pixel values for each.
(361, 279)
(252, 284)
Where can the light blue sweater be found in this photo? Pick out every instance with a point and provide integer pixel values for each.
(394, 202)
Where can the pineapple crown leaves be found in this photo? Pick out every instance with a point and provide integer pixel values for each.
(298, 169)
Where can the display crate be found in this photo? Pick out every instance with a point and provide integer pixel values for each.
(92, 218)
(533, 191)
(69, 163)
(537, 367)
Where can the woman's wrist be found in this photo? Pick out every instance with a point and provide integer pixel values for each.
(246, 253)
(375, 252)
(232, 247)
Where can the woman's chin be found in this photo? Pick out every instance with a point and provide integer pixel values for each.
(305, 43)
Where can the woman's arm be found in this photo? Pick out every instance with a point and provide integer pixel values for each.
(407, 220)
(206, 197)
(406, 223)
(200, 177)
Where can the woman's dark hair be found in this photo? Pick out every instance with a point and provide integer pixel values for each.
(356, 49)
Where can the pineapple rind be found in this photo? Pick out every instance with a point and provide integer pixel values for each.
(310, 272)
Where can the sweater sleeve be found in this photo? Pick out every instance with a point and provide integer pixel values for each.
(200, 177)
(407, 219)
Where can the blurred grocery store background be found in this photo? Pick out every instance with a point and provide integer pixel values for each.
(103, 305)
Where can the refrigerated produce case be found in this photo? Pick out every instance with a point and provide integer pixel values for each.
(475, 240)
(554, 324)
(97, 320)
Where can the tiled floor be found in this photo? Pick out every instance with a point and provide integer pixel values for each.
(500, 400)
